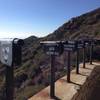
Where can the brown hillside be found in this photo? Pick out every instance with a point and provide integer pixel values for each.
(91, 88)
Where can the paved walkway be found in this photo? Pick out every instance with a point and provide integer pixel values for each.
(64, 90)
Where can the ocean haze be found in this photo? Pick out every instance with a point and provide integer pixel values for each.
(16, 35)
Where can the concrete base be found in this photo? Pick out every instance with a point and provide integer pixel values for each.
(64, 90)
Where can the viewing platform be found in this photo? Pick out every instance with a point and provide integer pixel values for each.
(65, 90)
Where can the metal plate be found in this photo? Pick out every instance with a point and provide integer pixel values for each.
(70, 46)
(52, 48)
(97, 42)
(6, 52)
(80, 46)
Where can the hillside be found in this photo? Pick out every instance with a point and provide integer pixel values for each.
(34, 73)
(85, 25)
(29, 40)
(91, 88)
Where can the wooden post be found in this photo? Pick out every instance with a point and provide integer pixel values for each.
(52, 83)
(77, 61)
(68, 67)
(9, 83)
(84, 57)
(91, 53)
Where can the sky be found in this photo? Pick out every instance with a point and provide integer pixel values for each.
(23, 18)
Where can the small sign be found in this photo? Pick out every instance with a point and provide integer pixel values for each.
(97, 42)
(52, 47)
(83, 43)
(70, 45)
(6, 52)
(88, 42)
(80, 44)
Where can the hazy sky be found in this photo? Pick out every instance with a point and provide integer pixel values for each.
(22, 18)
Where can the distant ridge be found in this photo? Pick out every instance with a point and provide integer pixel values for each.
(30, 39)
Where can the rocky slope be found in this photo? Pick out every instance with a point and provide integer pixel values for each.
(91, 88)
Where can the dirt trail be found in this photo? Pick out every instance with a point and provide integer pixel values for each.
(64, 90)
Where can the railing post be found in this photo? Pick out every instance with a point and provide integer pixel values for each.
(77, 61)
(52, 83)
(9, 83)
(68, 67)
(91, 53)
(84, 57)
